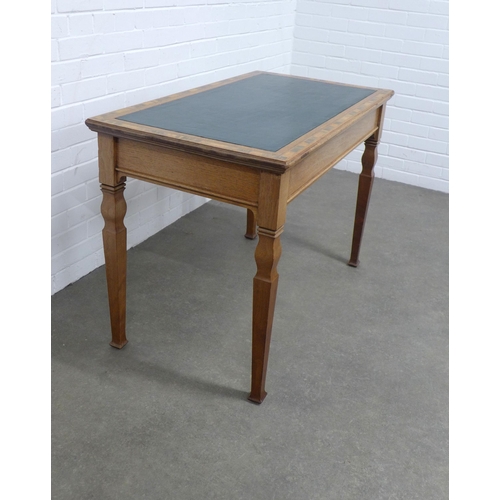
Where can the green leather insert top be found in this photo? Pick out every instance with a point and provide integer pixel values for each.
(265, 111)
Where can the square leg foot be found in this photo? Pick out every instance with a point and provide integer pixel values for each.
(256, 399)
(118, 345)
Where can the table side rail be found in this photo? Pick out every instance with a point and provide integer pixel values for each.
(317, 163)
(200, 175)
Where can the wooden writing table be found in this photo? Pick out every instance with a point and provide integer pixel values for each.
(256, 141)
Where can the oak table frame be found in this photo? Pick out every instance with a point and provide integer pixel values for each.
(262, 181)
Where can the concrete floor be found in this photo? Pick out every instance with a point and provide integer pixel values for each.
(357, 404)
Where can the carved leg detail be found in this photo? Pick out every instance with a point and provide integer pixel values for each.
(364, 190)
(114, 236)
(251, 233)
(265, 286)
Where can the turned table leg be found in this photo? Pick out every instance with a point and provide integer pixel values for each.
(114, 236)
(265, 287)
(368, 161)
(271, 213)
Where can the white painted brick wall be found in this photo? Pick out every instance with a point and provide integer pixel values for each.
(107, 54)
(401, 45)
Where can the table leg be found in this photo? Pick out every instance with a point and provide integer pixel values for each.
(364, 191)
(271, 213)
(114, 236)
(251, 233)
(265, 287)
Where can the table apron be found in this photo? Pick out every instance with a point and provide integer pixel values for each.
(314, 165)
(200, 175)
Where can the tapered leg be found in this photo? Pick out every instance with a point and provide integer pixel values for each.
(114, 235)
(364, 191)
(271, 215)
(265, 286)
(251, 233)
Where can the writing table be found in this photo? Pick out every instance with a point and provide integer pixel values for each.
(256, 141)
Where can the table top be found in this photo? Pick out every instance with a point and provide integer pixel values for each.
(264, 111)
(266, 116)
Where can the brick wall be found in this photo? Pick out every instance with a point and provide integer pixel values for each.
(400, 45)
(107, 54)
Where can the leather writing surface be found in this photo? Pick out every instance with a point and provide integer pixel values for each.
(265, 111)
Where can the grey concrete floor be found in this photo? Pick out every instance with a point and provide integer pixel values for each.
(357, 404)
